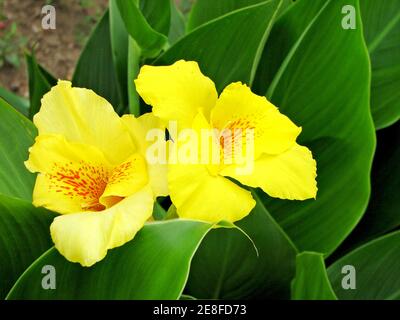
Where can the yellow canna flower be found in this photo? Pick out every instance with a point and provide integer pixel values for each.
(204, 190)
(92, 170)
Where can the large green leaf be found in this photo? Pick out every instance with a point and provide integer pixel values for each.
(377, 270)
(19, 103)
(381, 21)
(157, 14)
(134, 56)
(40, 82)
(149, 37)
(95, 68)
(323, 86)
(178, 24)
(382, 214)
(206, 10)
(226, 266)
(311, 281)
(285, 33)
(154, 265)
(24, 236)
(240, 36)
(17, 134)
(119, 44)
(384, 207)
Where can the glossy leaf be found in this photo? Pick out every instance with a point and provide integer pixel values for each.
(40, 82)
(384, 207)
(377, 268)
(286, 31)
(226, 266)
(17, 135)
(178, 24)
(134, 56)
(119, 44)
(19, 103)
(382, 214)
(148, 38)
(207, 10)
(236, 56)
(157, 14)
(311, 281)
(24, 236)
(324, 89)
(381, 22)
(154, 265)
(95, 68)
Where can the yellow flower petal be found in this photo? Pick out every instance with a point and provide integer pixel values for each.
(139, 128)
(176, 92)
(199, 195)
(71, 177)
(289, 175)
(196, 189)
(86, 237)
(238, 107)
(125, 179)
(82, 116)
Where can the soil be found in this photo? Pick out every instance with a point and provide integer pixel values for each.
(57, 50)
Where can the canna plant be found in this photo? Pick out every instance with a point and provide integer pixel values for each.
(313, 79)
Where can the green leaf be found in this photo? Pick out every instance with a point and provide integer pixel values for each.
(207, 10)
(40, 82)
(119, 44)
(24, 236)
(230, 60)
(134, 57)
(154, 265)
(178, 24)
(226, 266)
(157, 14)
(382, 214)
(19, 103)
(384, 207)
(17, 135)
(323, 86)
(381, 21)
(286, 31)
(377, 270)
(148, 38)
(187, 297)
(159, 212)
(311, 282)
(95, 68)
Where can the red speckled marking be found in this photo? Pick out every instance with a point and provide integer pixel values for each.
(231, 136)
(85, 181)
(120, 173)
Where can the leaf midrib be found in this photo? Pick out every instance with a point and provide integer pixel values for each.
(292, 52)
(382, 35)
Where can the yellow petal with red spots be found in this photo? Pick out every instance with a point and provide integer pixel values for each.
(239, 108)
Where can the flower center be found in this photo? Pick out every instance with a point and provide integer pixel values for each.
(233, 138)
(96, 187)
(85, 181)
